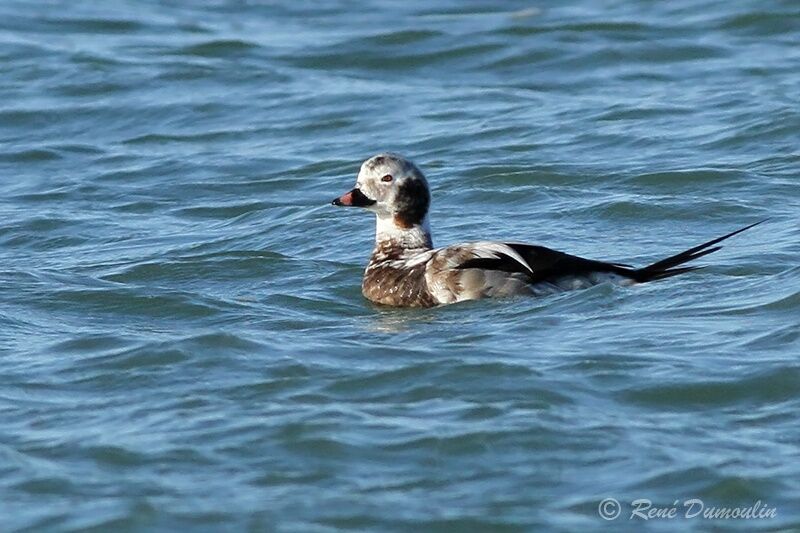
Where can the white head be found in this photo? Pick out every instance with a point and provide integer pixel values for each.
(397, 192)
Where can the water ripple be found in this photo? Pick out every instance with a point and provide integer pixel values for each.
(184, 340)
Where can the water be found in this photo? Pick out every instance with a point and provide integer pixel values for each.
(184, 343)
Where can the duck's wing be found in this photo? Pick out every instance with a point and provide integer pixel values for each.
(543, 264)
(477, 270)
(536, 262)
(488, 255)
(550, 266)
(487, 269)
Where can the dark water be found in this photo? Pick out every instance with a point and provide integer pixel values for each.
(183, 340)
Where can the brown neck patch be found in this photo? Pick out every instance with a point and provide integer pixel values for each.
(401, 221)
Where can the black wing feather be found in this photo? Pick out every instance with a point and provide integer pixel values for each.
(551, 265)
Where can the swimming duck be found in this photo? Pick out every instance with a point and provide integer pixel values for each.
(406, 271)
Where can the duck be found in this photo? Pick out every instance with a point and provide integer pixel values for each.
(405, 270)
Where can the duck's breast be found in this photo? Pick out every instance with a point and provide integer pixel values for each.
(397, 284)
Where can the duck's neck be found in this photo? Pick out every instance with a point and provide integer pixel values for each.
(395, 239)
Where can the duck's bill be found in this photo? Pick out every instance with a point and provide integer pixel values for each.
(354, 198)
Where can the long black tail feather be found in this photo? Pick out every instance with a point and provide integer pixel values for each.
(667, 267)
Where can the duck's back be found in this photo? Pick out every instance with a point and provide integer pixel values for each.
(446, 275)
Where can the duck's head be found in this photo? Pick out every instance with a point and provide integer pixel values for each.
(393, 188)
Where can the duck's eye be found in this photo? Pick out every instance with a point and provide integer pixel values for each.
(387, 178)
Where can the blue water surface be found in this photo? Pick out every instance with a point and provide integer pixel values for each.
(183, 342)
